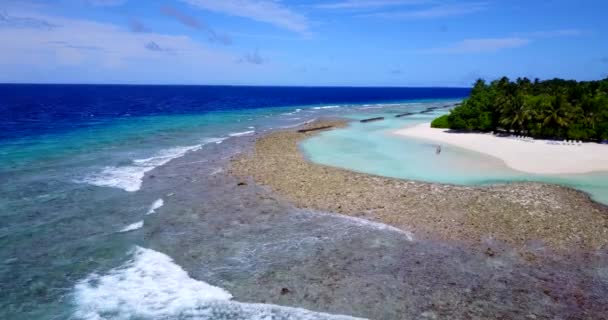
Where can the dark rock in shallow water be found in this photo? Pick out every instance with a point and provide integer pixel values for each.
(314, 129)
(489, 252)
(372, 119)
(404, 114)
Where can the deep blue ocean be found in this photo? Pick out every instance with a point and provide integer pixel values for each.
(73, 199)
(29, 110)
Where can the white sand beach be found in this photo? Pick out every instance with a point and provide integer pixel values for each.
(536, 156)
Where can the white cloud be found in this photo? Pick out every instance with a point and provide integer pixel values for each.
(107, 3)
(99, 49)
(193, 22)
(366, 4)
(9, 21)
(482, 45)
(553, 33)
(432, 12)
(267, 11)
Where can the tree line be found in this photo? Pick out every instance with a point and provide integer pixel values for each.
(561, 109)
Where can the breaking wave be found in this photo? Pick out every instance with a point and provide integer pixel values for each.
(155, 205)
(133, 226)
(325, 107)
(152, 286)
(130, 177)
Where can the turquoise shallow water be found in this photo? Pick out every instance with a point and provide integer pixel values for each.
(372, 148)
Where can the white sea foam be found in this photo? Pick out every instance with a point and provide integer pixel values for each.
(244, 133)
(133, 226)
(166, 155)
(155, 205)
(214, 140)
(326, 107)
(380, 226)
(130, 177)
(370, 107)
(293, 112)
(152, 286)
(372, 224)
(217, 171)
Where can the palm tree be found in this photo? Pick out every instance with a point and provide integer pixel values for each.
(589, 109)
(518, 114)
(555, 116)
(550, 108)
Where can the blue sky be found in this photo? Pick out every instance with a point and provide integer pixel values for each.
(288, 42)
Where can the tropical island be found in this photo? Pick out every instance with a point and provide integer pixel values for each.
(541, 127)
(555, 109)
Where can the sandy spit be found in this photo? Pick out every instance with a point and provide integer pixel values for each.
(523, 214)
(532, 156)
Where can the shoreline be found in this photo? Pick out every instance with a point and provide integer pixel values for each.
(518, 214)
(534, 156)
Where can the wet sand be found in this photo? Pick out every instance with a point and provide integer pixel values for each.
(527, 215)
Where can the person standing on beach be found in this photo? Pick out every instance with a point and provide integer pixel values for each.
(438, 150)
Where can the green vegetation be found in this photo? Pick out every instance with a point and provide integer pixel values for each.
(549, 109)
(441, 122)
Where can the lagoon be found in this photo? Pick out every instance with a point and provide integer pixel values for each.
(374, 148)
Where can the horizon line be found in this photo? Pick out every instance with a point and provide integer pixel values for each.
(226, 85)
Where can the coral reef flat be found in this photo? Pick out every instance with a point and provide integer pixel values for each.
(522, 214)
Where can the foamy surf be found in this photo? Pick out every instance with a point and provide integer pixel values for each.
(133, 226)
(217, 171)
(372, 224)
(325, 107)
(213, 140)
(293, 112)
(155, 205)
(152, 286)
(367, 107)
(130, 177)
(244, 133)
